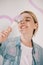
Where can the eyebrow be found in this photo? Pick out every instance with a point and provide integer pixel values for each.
(28, 17)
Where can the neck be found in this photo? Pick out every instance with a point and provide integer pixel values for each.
(26, 42)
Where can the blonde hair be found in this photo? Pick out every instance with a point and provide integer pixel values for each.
(34, 18)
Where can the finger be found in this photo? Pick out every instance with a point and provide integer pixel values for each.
(5, 33)
(9, 29)
(0, 34)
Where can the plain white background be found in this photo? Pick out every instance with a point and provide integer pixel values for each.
(12, 8)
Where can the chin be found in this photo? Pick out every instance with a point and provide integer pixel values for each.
(23, 32)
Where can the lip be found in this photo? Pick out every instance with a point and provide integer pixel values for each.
(23, 27)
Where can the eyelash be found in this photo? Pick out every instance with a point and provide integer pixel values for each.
(27, 20)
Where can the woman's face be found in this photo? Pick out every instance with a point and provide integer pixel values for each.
(26, 25)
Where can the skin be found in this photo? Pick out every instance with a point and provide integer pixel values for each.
(25, 26)
(4, 34)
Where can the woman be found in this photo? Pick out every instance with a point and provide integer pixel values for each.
(22, 50)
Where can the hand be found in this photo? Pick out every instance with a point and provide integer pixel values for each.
(4, 34)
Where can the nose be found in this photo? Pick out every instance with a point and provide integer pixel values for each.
(22, 22)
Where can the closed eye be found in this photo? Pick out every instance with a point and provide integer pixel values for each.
(27, 20)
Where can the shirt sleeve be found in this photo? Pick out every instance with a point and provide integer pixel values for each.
(3, 47)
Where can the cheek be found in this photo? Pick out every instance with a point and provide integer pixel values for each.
(18, 27)
(30, 26)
